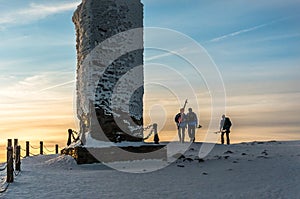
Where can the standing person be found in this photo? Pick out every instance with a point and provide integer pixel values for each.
(180, 120)
(71, 135)
(192, 122)
(225, 125)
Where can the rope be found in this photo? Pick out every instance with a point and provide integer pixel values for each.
(34, 154)
(51, 151)
(17, 173)
(147, 127)
(2, 190)
(3, 168)
(151, 132)
(34, 147)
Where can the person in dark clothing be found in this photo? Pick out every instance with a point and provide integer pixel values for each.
(192, 122)
(225, 125)
(180, 120)
(70, 136)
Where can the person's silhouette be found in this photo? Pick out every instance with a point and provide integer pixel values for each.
(192, 122)
(225, 125)
(70, 136)
(180, 120)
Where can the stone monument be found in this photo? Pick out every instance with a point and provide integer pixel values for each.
(97, 21)
(110, 83)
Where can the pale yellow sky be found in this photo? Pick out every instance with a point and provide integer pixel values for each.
(45, 118)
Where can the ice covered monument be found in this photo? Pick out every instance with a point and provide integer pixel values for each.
(109, 47)
(110, 80)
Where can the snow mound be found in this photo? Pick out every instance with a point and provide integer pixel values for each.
(61, 161)
(50, 162)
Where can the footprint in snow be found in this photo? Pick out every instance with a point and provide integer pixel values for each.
(264, 152)
(228, 152)
(188, 159)
(263, 157)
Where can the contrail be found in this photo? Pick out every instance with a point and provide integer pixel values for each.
(159, 56)
(237, 33)
(245, 30)
(169, 53)
(55, 86)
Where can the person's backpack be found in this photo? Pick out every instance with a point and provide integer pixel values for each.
(227, 123)
(191, 117)
(177, 117)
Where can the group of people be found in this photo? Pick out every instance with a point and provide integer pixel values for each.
(190, 121)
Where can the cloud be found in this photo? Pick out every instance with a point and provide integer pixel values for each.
(35, 12)
(43, 86)
(57, 85)
(39, 106)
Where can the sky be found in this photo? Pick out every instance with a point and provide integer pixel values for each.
(254, 45)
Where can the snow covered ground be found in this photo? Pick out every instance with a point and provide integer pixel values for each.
(246, 170)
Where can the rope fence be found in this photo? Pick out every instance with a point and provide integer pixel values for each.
(4, 187)
(34, 147)
(51, 151)
(42, 148)
(4, 167)
(14, 155)
(13, 163)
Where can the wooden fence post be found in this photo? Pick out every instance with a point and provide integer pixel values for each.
(41, 147)
(27, 149)
(10, 165)
(15, 147)
(156, 138)
(56, 149)
(18, 159)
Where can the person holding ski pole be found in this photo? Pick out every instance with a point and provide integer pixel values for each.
(180, 120)
(225, 125)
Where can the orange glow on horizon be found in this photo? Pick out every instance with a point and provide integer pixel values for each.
(36, 122)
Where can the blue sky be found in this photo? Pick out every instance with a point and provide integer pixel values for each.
(254, 44)
(256, 48)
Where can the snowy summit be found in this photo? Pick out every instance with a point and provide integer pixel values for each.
(246, 170)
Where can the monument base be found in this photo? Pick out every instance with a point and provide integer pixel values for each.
(84, 155)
